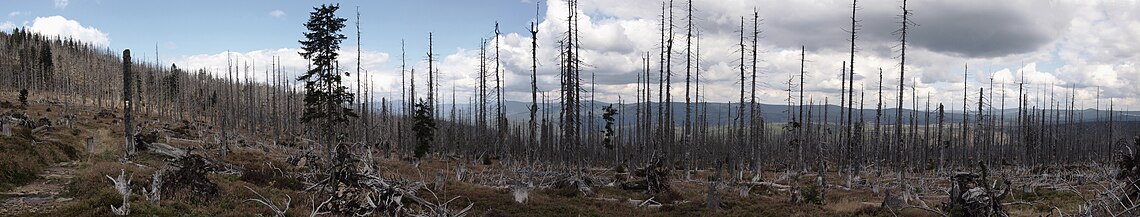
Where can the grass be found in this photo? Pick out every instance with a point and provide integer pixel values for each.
(24, 154)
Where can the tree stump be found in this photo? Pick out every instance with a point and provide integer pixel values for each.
(520, 191)
(713, 198)
(7, 128)
(90, 144)
(891, 202)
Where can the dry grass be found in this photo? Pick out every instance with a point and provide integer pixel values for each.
(25, 154)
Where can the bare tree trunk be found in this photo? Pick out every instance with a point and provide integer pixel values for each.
(878, 122)
(742, 135)
(757, 121)
(533, 87)
(800, 136)
(359, 98)
(898, 116)
(668, 123)
(821, 177)
(128, 106)
(687, 130)
(965, 117)
(851, 165)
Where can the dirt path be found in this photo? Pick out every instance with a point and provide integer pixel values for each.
(41, 195)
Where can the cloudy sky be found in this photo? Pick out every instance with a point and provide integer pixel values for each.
(1070, 47)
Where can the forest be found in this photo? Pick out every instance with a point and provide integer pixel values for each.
(90, 131)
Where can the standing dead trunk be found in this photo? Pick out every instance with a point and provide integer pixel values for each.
(850, 158)
(742, 135)
(821, 177)
(756, 121)
(533, 87)
(942, 146)
(128, 106)
(900, 169)
(800, 123)
(686, 136)
(713, 200)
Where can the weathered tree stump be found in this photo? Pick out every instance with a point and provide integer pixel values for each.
(891, 201)
(520, 191)
(90, 144)
(7, 129)
(713, 200)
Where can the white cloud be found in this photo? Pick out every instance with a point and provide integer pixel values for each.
(1088, 45)
(61, 4)
(14, 13)
(1082, 45)
(58, 25)
(7, 25)
(293, 64)
(277, 13)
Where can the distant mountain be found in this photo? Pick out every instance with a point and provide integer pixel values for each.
(726, 113)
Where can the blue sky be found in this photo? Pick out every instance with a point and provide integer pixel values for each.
(198, 27)
(1071, 46)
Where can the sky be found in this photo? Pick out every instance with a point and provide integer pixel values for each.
(1074, 48)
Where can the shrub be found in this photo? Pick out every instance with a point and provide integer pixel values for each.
(811, 194)
(24, 97)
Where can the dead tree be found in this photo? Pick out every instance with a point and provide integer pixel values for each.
(740, 115)
(668, 124)
(500, 116)
(962, 146)
(686, 138)
(799, 122)
(757, 121)
(661, 84)
(481, 99)
(878, 123)
(360, 98)
(898, 116)
(571, 82)
(851, 165)
(533, 86)
(128, 105)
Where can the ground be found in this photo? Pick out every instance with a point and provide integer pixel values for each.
(52, 173)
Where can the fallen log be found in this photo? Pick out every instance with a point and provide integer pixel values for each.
(166, 150)
(174, 140)
(41, 129)
(769, 184)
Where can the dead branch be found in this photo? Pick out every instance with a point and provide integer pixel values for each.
(123, 186)
(278, 212)
(925, 209)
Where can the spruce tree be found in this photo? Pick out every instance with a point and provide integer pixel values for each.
(325, 97)
(424, 128)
